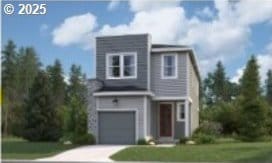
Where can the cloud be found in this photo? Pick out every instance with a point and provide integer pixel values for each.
(206, 12)
(253, 11)
(151, 22)
(222, 37)
(238, 75)
(75, 30)
(265, 63)
(144, 5)
(113, 4)
(147, 5)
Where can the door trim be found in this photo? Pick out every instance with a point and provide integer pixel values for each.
(172, 113)
(135, 111)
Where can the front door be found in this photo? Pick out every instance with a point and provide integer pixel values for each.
(165, 120)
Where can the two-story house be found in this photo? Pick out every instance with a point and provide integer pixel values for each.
(142, 90)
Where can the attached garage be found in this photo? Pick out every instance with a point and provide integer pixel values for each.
(116, 127)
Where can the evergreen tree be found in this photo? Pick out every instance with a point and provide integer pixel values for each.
(217, 87)
(28, 67)
(76, 113)
(41, 117)
(57, 82)
(268, 85)
(253, 113)
(58, 87)
(220, 83)
(9, 80)
(250, 81)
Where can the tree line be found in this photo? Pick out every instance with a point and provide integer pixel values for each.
(38, 104)
(243, 109)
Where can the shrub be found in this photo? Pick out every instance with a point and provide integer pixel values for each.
(183, 140)
(84, 139)
(253, 122)
(201, 138)
(227, 115)
(142, 142)
(209, 128)
(68, 137)
(224, 113)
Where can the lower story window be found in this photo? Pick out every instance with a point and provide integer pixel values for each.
(181, 113)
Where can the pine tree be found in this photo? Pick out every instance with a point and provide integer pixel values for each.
(42, 121)
(76, 115)
(9, 80)
(57, 82)
(220, 83)
(28, 67)
(253, 113)
(268, 85)
(250, 81)
(217, 87)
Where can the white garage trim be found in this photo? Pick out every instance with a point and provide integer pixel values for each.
(119, 110)
(145, 116)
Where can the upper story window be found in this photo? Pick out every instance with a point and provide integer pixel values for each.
(169, 66)
(181, 114)
(121, 65)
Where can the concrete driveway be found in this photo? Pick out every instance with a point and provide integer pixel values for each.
(94, 153)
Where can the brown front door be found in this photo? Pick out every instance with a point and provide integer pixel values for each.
(165, 120)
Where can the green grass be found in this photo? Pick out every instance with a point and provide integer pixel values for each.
(224, 150)
(16, 148)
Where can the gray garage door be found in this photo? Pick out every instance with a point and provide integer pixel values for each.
(116, 127)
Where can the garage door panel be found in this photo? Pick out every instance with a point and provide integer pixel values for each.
(116, 127)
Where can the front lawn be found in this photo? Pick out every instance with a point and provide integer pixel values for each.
(224, 151)
(14, 148)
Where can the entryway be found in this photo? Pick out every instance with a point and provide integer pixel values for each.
(166, 112)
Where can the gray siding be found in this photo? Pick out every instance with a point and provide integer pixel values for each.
(126, 102)
(194, 95)
(126, 43)
(154, 119)
(168, 87)
(179, 130)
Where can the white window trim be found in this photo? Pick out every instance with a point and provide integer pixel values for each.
(176, 66)
(121, 61)
(179, 119)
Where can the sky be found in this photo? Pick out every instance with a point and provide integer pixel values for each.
(229, 31)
